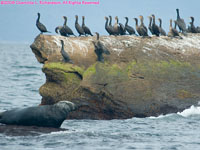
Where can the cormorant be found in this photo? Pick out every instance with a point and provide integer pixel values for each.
(64, 53)
(150, 25)
(100, 49)
(122, 30)
(180, 22)
(79, 29)
(108, 28)
(85, 28)
(198, 29)
(66, 28)
(192, 28)
(142, 27)
(58, 29)
(116, 27)
(137, 27)
(128, 28)
(110, 22)
(172, 31)
(162, 31)
(40, 26)
(155, 28)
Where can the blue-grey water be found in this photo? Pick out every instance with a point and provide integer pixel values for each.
(20, 79)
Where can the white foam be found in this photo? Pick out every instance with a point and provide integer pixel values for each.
(161, 116)
(190, 111)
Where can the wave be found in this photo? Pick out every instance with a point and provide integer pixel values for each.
(193, 110)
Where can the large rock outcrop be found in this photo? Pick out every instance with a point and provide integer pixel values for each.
(141, 76)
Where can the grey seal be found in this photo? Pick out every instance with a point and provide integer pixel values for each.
(42, 116)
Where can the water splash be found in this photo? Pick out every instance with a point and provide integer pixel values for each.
(190, 111)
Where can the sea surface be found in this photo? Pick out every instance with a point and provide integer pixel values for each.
(20, 79)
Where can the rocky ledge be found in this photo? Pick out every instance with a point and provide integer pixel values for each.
(141, 77)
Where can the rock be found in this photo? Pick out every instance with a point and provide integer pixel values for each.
(141, 77)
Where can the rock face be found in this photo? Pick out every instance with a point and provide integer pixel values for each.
(141, 77)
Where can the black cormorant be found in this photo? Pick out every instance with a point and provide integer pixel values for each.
(155, 28)
(79, 29)
(110, 22)
(150, 24)
(40, 26)
(180, 22)
(64, 53)
(85, 28)
(122, 30)
(100, 49)
(57, 29)
(128, 28)
(66, 28)
(108, 28)
(192, 28)
(162, 31)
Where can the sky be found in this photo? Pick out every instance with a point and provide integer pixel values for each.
(18, 22)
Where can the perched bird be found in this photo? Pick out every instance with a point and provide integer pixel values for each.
(57, 29)
(100, 49)
(66, 28)
(150, 25)
(79, 29)
(110, 24)
(155, 28)
(116, 26)
(62, 29)
(65, 54)
(122, 30)
(192, 28)
(142, 29)
(180, 22)
(172, 31)
(40, 26)
(128, 28)
(85, 28)
(108, 28)
(162, 31)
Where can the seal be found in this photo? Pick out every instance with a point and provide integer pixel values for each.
(42, 116)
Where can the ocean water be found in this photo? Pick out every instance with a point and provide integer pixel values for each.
(20, 79)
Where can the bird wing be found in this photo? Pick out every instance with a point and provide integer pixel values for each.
(42, 27)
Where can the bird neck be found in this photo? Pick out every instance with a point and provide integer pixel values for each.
(110, 23)
(126, 22)
(154, 20)
(192, 21)
(76, 20)
(160, 23)
(62, 47)
(83, 23)
(116, 21)
(136, 23)
(141, 22)
(97, 37)
(178, 16)
(150, 21)
(65, 22)
(38, 19)
(106, 24)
